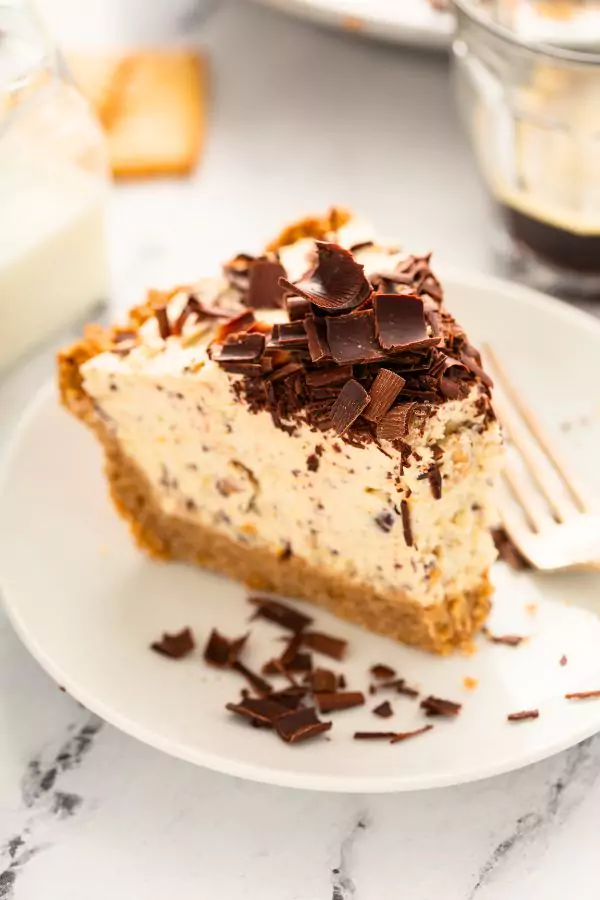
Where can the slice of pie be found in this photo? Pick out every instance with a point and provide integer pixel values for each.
(313, 423)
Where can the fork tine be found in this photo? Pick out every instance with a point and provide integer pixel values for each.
(516, 434)
(537, 430)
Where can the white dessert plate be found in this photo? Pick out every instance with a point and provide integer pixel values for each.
(409, 22)
(88, 604)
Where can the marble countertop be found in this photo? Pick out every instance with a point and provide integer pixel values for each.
(300, 119)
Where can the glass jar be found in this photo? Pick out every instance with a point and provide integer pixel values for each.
(53, 190)
(532, 111)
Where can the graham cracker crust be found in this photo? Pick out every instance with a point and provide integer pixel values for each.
(439, 628)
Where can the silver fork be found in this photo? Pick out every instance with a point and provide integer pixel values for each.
(543, 507)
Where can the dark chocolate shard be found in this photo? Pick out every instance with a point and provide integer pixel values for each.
(175, 646)
(278, 612)
(337, 282)
(297, 308)
(290, 697)
(406, 523)
(237, 323)
(316, 333)
(264, 289)
(221, 651)
(162, 318)
(259, 709)
(241, 348)
(352, 338)
(325, 377)
(325, 643)
(380, 671)
(396, 424)
(405, 735)
(383, 393)
(435, 481)
(374, 735)
(299, 725)
(400, 322)
(523, 715)
(329, 702)
(509, 640)
(237, 271)
(348, 406)
(262, 687)
(384, 710)
(322, 681)
(436, 706)
(288, 336)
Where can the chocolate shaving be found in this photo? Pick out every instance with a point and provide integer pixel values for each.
(316, 334)
(322, 681)
(175, 646)
(278, 612)
(350, 403)
(436, 706)
(383, 392)
(406, 524)
(329, 702)
(523, 715)
(325, 643)
(290, 697)
(582, 695)
(374, 735)
(262, 687)
(396, 423)
(328, 377)
(299, 725)
(237, 271)
(264, 290)
(162, 318)
(342, 682)
(297, 308)
(288, 335)
(405, 735)
(381, 671)
(435, 481)
(222, 652)
(509, 640)
(337, 282)
(384, 710)
(262, 710)
(400, 322)
(237, 323)
(394, 737)
(352, 338)
(241, 348)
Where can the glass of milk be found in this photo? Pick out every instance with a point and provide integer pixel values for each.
(53, 190)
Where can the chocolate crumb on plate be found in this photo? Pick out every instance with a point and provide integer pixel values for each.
(405, 735)
(509, 640)
(278, 612)
(406, 690)
(260, 709)
(384, 710)
(582, 695)
(325, 643)
(342, 682)
(374, 735)
(175, 646)
(290, 697)
(340, 700)
(262, 687)
(322, 681)
(523, 715)
(381, 671)
(222, 652)
(299, 725)
(436, 706)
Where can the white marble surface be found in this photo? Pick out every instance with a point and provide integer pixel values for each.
(300, 119)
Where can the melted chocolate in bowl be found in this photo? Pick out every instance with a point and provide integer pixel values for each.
(556, 245)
